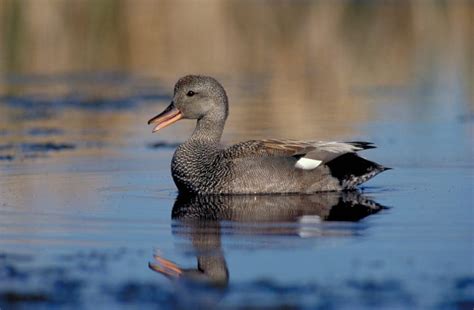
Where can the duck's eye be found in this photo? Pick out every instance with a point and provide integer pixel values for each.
(190, 93)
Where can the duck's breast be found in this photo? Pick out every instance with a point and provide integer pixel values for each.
(198, 169)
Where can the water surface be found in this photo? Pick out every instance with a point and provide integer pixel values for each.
(90, 217)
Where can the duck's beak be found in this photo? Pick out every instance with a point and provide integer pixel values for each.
(165, 267)
(169, 116)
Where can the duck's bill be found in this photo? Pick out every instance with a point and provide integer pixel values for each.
(169, 116)
(165, 267)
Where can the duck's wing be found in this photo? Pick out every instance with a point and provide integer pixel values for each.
(310, 154)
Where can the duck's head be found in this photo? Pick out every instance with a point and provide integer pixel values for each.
(195, 97)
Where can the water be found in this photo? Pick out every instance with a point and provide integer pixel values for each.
(90, 217)
(86, 209)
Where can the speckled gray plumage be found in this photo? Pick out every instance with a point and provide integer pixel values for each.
(202, 165)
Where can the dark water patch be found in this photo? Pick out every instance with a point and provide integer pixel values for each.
(277, 288)
(59, 292)
(27, 102)
(164, 145)
(3, 132)
(141, 292)
(464, 304)
(65, 281)
(34, 114)
(8, 271)
(33, 150)
(118, 91)
(314, 295)
(380, 292)
(72, 285)
(67, 290)
(465, 283)
(37, 104)
(373, 285)
(20, 278)
(5, 257)
(50, 272)
(42, 108)
(44, 131)
(265, 293)
(464, 292)
(12, 297)
(6, 147)
(46, 147)
(461, 296)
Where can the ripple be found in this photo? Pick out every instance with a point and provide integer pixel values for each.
(164, 145)
(44, 131)
(46, 147)
(7, 157)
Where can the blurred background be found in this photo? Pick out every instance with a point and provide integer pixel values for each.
(301, 62)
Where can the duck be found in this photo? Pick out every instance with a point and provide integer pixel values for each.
(203, 165)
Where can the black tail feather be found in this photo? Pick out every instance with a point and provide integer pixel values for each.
(362, 144)
(352, 170)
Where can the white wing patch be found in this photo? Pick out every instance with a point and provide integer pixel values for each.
(307, 163)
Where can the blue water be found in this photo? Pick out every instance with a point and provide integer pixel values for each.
(86, 201)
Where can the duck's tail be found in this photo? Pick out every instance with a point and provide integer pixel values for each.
(352, 170)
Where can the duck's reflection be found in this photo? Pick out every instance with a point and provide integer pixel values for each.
(204, 219)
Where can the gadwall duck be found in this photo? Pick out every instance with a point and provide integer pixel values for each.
(202, 165)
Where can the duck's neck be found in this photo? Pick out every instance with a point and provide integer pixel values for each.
(208, 130)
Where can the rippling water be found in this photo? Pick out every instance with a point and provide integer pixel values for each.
(90, 217)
